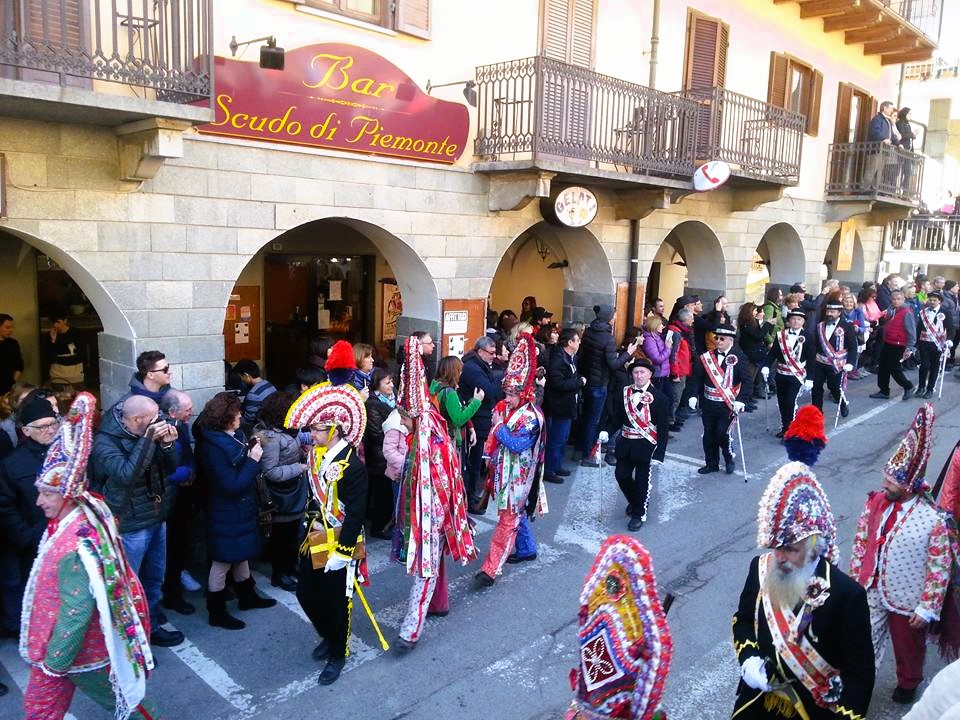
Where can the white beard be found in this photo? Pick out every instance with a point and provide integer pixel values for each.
(787, 583)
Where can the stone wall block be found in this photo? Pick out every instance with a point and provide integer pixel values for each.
(451, 181)
(70, 235)
(205, 321)
(121, 236)
(105, 266)
(242, 213)
(211, 239)
(272, 188)
(442, 267)
(309, 190)
(198, 152)
(389, 198)
(210, 294)
(250, 240)
(226, 267)
(242, 158)
(88, 141)
(168, 238)
(26, 169)
(127, 295)
(173, 180)
(166, 323)
(237, 186)
(290, 215)
(139, 320)
(169, 346)
(199, 211)
(203, 375)
(29, 136)
(398, 176)
(145, 266)
(149, 208)
(290, 164)
(201, 348)
(114, 348)
(353, 196)
(175, 267)
(100, 205)
(444, 287)
(40, 204)
(168, 294)
(429, 245)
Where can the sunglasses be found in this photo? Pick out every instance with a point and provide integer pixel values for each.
(165, 369)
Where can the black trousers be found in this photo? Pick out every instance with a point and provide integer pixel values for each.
(473, 472)
(284, 545)
(929, 365)
(180, 523)
(890, 356)
(716, 439)
(633, 474)
(322, 597)
(824, 373)
(787, 389)
(380, 500)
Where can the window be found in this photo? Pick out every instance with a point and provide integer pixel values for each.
(568, 31)
(705, 64)
(411, 17)
(796, 86)
(855, 107)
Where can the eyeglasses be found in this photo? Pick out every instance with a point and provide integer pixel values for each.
(45, 427)
(165, 369)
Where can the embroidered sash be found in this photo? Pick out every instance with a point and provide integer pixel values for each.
(933, 330)
(799, 655)
(830, 355)
(792, 364)
(639, 417)
(723, 389)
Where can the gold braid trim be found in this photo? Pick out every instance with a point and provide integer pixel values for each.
(345, 550)
(740, 647)
(844, 712)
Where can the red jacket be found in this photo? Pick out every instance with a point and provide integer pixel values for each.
(681, 356)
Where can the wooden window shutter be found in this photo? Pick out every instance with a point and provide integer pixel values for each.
(582, 32)
(844, 103)
(413, 17)
(777, 82)
(706, 56)
(555, 25)
(813, 107)
(61, 26)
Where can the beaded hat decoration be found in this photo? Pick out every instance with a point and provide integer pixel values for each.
(522, 368)
(908, 466)
(64, 468)
(625, 644)
(328, 405)
(794, 507)
(413, 378)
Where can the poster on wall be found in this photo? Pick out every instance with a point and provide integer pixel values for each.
(848, 236)
(392, 310)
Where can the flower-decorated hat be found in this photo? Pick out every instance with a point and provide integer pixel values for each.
(413, 378)
(908, 466)
(64, 468)
(327, 405)
(625, 644)
(522, 368)
(805, 438)
(793, 508)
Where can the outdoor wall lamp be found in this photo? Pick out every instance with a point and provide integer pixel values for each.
(469, 89)
(271, 56)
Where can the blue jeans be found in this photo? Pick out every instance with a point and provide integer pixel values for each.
(593, 398)
(525, 545)
(147, 554)
(558, 430)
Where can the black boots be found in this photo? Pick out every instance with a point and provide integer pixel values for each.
(219, 617)
(249, 598)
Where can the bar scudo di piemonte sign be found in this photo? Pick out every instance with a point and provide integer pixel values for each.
(340, 97)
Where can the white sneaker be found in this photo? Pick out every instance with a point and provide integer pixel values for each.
(189, 584)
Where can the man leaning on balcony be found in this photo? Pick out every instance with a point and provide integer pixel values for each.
(882, 131)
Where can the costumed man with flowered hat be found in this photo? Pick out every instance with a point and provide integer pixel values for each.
(625, 644)
(432, 509)
(85, 621)
(791, 356)
(836, 353)
(331, 558)
(642, 414)
(902, 556)
(515, 447)
(717, 379)
(801, 632)
(936, 333)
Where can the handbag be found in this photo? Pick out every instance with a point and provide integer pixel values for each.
(322, 541)
(265, 504)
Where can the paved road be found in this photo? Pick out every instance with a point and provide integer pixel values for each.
(506, 651)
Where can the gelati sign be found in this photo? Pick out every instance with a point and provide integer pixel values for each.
(340, 97)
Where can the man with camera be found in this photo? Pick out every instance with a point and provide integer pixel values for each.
(135, 453)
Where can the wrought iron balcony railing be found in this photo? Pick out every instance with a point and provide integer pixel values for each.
(926, 233)
(758, 140)
(162, 45)
(874, 171)
(924, 15)
(542, 109)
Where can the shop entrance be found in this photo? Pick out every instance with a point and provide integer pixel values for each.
(778, 261)
(689, 261)
(843, 260)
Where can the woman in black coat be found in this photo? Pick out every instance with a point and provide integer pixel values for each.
(751, 334)
(380, 404)
(230, 473)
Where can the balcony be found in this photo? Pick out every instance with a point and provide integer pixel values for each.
(899, 31)
(106, 62)
(551, 119)
(759, 141)
(925, 240)
(874, 172)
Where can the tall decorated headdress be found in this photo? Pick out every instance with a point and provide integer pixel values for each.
(794, 507)
(64, 468)
(521, 373)
(625, 644)
(119, 596)
(329, 405)
(805, 438)
(908, 466)
(413, 378)
(341, 363)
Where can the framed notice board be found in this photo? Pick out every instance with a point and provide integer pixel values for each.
(241, 324)
(461, 323)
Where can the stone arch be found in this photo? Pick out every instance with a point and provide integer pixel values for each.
(690, 260)
(782, 250)
(852, 277)
(579, 260)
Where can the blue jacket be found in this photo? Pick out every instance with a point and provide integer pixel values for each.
(880, 129)
(230, 493)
